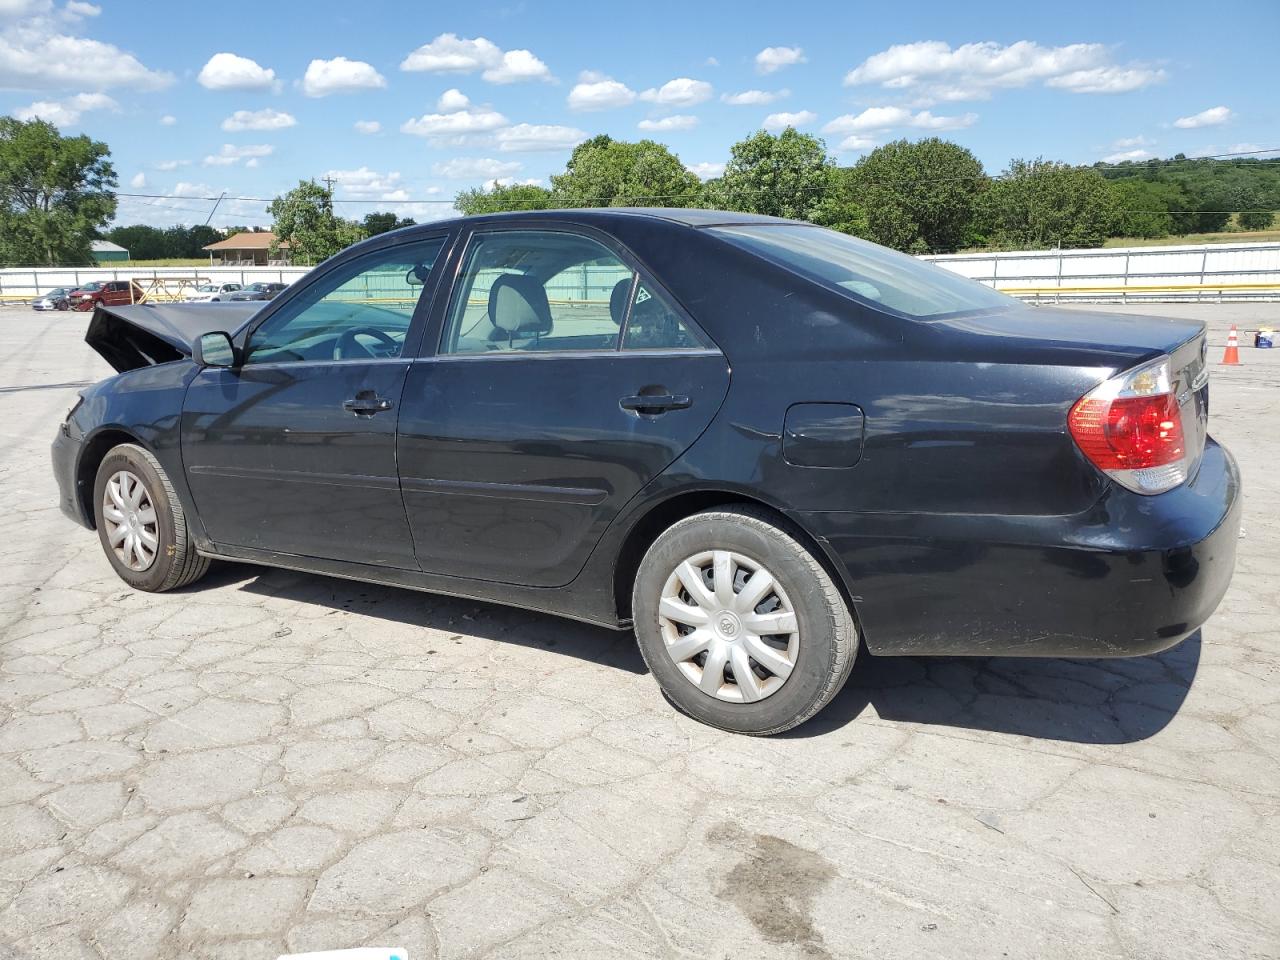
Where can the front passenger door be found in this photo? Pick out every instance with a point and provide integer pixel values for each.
(294, 451)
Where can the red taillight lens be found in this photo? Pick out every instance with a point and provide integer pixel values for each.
(1130, 427)
(1128, 433)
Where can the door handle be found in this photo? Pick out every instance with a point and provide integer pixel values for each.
(653, 404)
(366, 406)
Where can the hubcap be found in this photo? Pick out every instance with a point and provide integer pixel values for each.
(130, 519)
(729, 626)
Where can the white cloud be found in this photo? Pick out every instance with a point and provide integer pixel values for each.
(681, 92)
(711, 62)
(706, 170)
(675, 122)
(364, 183)
(24, 8)
(884, 118)
(226, 71)
(469, 168)
(66, 112)
(455, 115)
(1125, 143)
(168, 120)
(451, 100)
(780, 121)
(340, 75)
(1107, 79)
(231, 154)
(138, 181)
(511, 181)
(856, 142)
(597, 92)
(1123, 155)
(772, 59)
(35, 56)
(171, 164)
(264, 119)
(367, 126)
(754, 98)
(972, 70)
(531, 136)
(77, 9)
(1213, 117)
(449, 53)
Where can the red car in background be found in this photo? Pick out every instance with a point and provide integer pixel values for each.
(105, 292)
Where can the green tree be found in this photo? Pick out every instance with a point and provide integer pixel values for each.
(1040, 203)
(376, 223)
(920, 196)
(839, 207)
(499, 198)
(55, 194)
(1256, 219)
(788, 175)
(142, 242)
(603, 172)
(304, 219)
(1148, 208)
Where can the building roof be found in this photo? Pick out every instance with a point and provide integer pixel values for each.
(261, 240)
(106, 246)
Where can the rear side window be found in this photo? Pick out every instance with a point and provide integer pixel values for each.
(866, 271)
(535, 291)
(653, 324)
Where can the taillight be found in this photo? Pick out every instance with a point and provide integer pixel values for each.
(1130, 427)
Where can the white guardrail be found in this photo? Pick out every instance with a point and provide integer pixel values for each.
(1214, 271)
(1211, 271)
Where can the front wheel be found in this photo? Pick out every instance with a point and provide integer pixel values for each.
(141, 523)
(740, 624)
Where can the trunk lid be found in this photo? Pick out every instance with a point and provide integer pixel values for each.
(142, 335)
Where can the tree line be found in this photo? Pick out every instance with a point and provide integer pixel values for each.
(57, 195)
(920, 196)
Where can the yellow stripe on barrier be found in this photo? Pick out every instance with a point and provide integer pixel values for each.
(1152, 288)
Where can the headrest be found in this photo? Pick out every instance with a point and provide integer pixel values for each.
(618, 300)
(518, 306)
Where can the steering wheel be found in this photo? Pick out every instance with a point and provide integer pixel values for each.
(347, 343)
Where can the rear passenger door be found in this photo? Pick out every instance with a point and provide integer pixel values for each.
(564, 381)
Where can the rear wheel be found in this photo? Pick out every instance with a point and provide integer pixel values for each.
(141, 523)
(740, 624)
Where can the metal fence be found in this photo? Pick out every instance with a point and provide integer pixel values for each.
(1217, 271)
(1214, 271)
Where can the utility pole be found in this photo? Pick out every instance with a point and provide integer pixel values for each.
(215, 208)
(328, 181)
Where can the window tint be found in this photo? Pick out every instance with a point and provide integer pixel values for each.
(527, 290)
(654, 325)
(359, 311)
(867, 271)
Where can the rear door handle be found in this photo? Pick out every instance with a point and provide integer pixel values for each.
(655, 403)
(366, 406)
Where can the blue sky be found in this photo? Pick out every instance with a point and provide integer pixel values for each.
(414, 101)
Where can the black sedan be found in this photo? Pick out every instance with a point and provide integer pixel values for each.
(759, 443)
(257, 291)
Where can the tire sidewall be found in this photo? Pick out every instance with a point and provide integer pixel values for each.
(130, 458)
(786, 560)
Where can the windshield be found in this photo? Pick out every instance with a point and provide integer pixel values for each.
(208, 288)
(866, 271)
(90, 287)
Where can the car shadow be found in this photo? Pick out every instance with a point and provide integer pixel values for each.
(477, 618)
(1102, 701)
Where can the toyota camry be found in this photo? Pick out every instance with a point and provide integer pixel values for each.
(762, 445)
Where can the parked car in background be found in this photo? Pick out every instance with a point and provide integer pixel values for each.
(759, 443)
(258, 291)
(212, 292)
(56, 299)
(105, 292)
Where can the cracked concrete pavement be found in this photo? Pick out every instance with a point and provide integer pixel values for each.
(272, 762)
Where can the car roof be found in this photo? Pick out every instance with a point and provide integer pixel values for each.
(602, 216)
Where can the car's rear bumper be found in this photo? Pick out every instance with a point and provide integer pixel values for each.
(66, 460)
(1131, 576)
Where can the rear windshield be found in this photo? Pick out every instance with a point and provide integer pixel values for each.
(866, 271)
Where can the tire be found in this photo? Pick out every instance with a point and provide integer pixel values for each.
(174, 561)
(792, 674)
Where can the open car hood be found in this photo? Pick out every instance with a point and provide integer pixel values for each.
(141, 335)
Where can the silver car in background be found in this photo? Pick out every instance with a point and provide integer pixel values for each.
(56, 299)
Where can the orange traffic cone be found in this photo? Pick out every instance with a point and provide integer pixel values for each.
(1231, 356)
